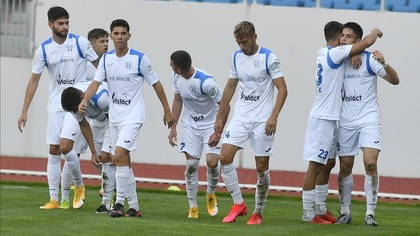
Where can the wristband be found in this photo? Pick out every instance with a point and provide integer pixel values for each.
(385, 65)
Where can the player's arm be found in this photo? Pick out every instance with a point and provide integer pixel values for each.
(29, 95)
(271, 125)
(224, 107)
(176, 111)
(168, 117)
(87, 134)
(366, 42)
(91, 90)
(391, 75)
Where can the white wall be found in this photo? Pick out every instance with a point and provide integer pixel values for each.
(205, 30)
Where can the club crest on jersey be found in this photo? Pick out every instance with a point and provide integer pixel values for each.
(69, 48)
(274, 66)
(149, 69)
(256, 63)
(128, 64)
(214, 91)
(193, 89)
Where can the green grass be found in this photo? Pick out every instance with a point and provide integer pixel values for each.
(164, 213)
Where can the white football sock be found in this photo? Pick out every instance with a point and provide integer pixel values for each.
(131, 194)
(371, 191)
(308, 200)
(74, 167)
(261, 192)
(191, 181)
(212, 178)
(345, 186)
(66, 182)
(122, 174)
(108, 177)
(321, 193)
(53, 175)
(230, 178)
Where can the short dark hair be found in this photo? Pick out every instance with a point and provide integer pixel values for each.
(70, 99)
(332, 30)
(243, 29)
(357, 29)
(181, 59)
(97, 33)
(120, 22)
(57, 12)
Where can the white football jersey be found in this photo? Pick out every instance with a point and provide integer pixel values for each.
(360, 104)
(329, 81)
(200, 97)
(125, 76)
(66, 65)
(98, 105)
(90, 72)
(255, 73)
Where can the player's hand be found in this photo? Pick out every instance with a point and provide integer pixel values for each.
(270, 126)
(377, 55)
(95, 159)
(112, 160)
(356, 61)
(173, 137)
(378, 32)
(82, 107)
(22, 121)
(213, 140)
(168, 119)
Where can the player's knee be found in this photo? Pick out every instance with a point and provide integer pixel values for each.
(370, 167)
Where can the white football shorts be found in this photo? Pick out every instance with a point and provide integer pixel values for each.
(54, 124)
(71, 130)
(320, 140)
(101, 136)
(239, 132)
(352, 139)
(194, 141)
(124, 136)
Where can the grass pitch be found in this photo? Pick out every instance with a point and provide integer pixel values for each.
(165, 213)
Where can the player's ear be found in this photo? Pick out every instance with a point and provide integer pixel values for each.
(129, 36)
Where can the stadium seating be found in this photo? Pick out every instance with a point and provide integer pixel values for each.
(403, 5)
(373, 5)
(216, 1)
(291, 3)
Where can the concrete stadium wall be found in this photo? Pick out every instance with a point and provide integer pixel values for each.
(205, 30)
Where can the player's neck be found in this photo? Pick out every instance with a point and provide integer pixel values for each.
(189, 73)
(120, 52)
(59, 39)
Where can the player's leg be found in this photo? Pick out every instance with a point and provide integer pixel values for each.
(54, 123)
(319, 138)
(213, 174)
(236, 135)
(70, 133)
(131, 196)
(370, 141)
(263, 147)
(348, 139)
(321, 185)
(124, 138)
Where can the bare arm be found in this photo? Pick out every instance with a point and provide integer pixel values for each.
(224, 107)
(391, 74)
(168, 117)
(29, 95)
(271, 125)
(367, 41)
(176, 111)
(87, 134)
(91, 90)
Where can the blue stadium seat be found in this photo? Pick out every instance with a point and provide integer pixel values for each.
(216, 1)
(292, 3)
(372, 5)
(403, 5)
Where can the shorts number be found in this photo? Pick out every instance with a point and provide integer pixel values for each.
(322, 154)
(182, 146)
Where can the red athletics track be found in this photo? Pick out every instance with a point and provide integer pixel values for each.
(395, 185)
